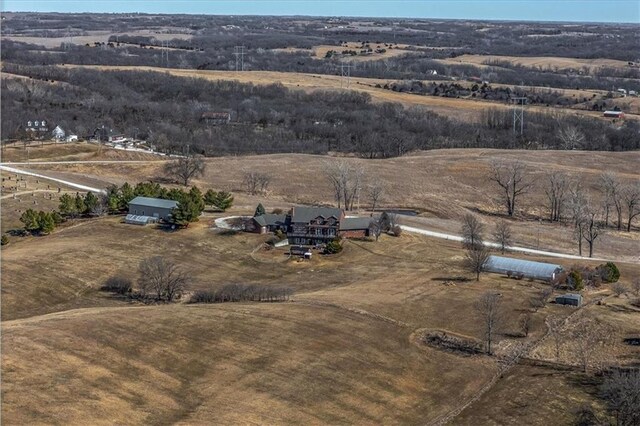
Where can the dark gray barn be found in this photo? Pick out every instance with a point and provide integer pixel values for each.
(151, 208)
(569, 299)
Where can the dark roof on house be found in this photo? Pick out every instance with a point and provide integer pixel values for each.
(306, 214)
(269, 219)
(355, 223)
(154, 202)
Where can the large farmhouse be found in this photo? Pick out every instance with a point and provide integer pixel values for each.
(313, 225)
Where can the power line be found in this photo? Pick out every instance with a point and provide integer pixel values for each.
(345, 74)
(165, 53)
(239, 53)
(518, 114)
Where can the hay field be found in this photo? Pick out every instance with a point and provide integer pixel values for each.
(414, 181)
(543, 62)
(344, 350)
(397, 50)
(464, 109)
(95, 36)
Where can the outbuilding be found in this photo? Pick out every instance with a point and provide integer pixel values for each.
(522, 268)
(569, 299)
(155, 208)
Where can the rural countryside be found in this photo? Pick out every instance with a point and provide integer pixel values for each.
(322, 213)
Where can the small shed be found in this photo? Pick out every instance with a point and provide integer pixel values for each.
(152, 207)
(569, 299)
(522, 268)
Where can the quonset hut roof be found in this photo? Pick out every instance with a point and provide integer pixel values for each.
(528, 268)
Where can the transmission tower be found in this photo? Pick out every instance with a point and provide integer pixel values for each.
(165, 53)
(68, 39)
(239, 53)
(518, 114)
(345, 74)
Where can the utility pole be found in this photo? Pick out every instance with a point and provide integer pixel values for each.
(239, 53)
(345, 74)
(518, 114)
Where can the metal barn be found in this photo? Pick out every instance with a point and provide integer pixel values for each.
(523, 268)
(569, 299)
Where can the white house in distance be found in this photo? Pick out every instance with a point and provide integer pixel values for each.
(58, 133)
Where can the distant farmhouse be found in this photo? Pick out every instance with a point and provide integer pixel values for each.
(613, 114)
(144, 210)
(36, 128)
(308, 226)
(215, 118)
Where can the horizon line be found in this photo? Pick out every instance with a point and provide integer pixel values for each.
(329, 16)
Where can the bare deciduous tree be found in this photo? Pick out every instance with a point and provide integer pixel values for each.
(376, 227)
(621, 390)
(631, 199)
(556, 325)
(347, 181)
(472, 232)
(376, 192)
(618, 289)
(556, 192)
(592, 229)
(525, 324)
(475, 259)
(578, 204)
(540, 299)
(635, 287)
(490, 312)
(612, 196)
(571, 137)
(256, 182)
(512, 179)
(591, 337)
(502, 235)
(185, 168)
(162, 277)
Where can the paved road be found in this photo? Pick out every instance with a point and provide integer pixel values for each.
(451, 237)
(220, 221)
(62, 181)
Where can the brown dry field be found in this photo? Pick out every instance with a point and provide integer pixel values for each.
(441, 184)
(343, 351)
(544, 62)
(397, 50)
(465, 109)
(94, 36)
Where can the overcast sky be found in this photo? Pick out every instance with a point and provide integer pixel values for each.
(531, 10)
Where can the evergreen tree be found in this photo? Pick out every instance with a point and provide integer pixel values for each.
(57, 219)
(46, 223)
(68, 205)
(5, 240)
(30, 220)
(223, 200)
(126, 194)
(185, 212)
(259, 210)
(210, 197)
(196, 197)
(81, 207)
(90, 202)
